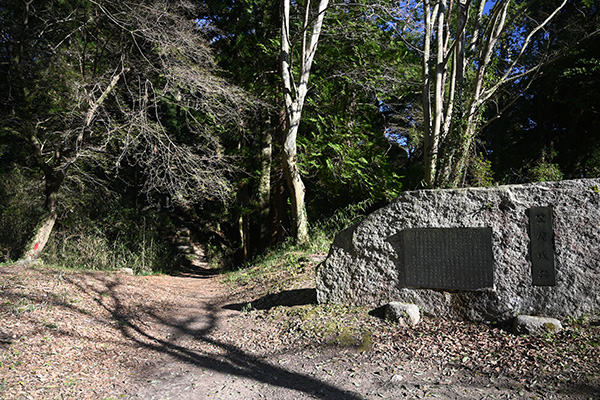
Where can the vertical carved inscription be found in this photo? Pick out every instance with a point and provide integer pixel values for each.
(541, 236)
(448, 258)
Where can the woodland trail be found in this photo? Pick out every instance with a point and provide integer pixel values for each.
(107, 335)
(215, 352)
(207, 352)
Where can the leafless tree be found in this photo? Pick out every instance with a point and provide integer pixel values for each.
(110, 68)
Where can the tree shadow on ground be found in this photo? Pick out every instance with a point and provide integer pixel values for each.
(134, 321)
(287, 298)
(228, 360)
(190, 269)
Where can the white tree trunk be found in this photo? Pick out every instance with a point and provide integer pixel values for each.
(294, 95)
(429, 145)
(448, 144)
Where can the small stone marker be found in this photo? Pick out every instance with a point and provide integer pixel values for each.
(448, 258)
(403, 313)
(530, 325)
(541, 238)
(128, 271)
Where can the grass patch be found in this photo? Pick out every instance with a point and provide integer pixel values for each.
(328, 324)
(280, 268)
(289, 259)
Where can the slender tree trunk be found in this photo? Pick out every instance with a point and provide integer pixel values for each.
(294, 95)
(430, 154)
(264, 184)
(244, 224)
(280, 216)
(280, 222)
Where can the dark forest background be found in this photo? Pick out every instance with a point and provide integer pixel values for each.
(121, 122)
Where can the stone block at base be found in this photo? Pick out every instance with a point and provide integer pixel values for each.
(530, 325)
(403, 313)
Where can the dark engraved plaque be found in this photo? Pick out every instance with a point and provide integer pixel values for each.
(541, 238)
(448, 258)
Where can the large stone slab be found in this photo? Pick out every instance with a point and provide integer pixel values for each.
(366, 264)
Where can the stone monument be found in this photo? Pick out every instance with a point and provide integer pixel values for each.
(477, 253)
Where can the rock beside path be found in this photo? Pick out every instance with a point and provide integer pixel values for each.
(531, 325)
(366, 262)
(403, 313)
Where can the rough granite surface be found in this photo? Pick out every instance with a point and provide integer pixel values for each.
(365, 262)
(403, 313)
(526, 324)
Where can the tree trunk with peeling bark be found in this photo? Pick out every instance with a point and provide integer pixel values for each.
(295, 90)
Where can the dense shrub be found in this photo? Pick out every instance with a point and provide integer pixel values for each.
(101, 234)
(96, 228)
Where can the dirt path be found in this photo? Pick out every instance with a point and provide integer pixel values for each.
(213, 352)
(210, 351)
(99, 335)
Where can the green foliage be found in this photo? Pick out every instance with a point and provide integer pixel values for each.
(544, 171)
(592, 163)
(556, 123)
(359, 143)
(346, 154)
(292, 258)
(104, 98)
(98, 229)
(340, 220)
(108, 235)
(480, 172)
(286, 258)
(105, 84)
